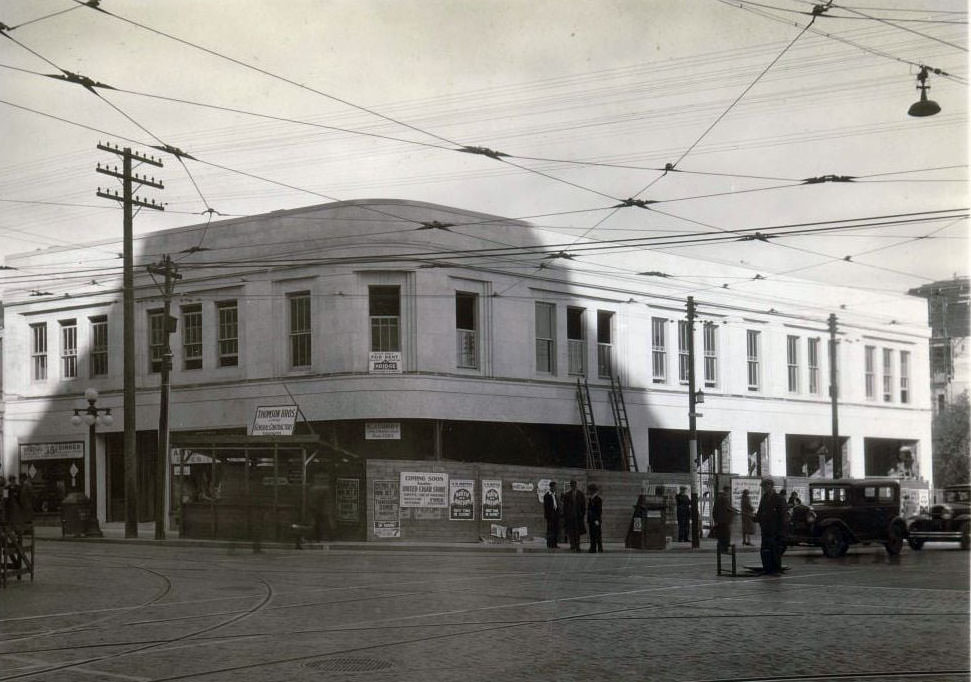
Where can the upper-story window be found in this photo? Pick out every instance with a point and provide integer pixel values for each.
(69, 349)
(710, 334)
(384, 309)
(157, 342)
(684, 352)
(466, 331)
(887, 375)
(192, 336)
(812, 351)
(753, 343)
(792, 363)
(605, 349)
(576, 342)
(299, 325)
(38, 351)
(870, 371)
(99, 345)
(227, 333)
(545, 339)
(659, 360)
(904, 376)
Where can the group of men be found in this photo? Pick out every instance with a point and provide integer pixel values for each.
(576, 512)
(772, 517)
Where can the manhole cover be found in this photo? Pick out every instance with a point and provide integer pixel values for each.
(349, 665)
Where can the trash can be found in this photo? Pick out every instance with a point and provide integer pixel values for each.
(647, 524)
(78, 518)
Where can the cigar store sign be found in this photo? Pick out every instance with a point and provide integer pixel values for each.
(424, 489)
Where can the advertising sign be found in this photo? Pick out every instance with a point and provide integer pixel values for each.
(492, 499)
(34, 451)
(753, 485)
(348, 500)
(382, 430)
(387, 523)
(519, 486)
(542, 487)
(384, 362)
(274, 421)
(424, 489)
(461, 506)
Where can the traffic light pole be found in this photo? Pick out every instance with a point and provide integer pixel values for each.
(166, 269)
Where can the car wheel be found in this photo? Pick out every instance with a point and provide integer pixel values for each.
(895, 541)
(915, 543)
(834, 542)
(965, 536)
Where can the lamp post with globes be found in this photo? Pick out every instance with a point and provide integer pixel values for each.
(92, 415)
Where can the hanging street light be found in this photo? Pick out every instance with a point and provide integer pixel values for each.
(923, 107)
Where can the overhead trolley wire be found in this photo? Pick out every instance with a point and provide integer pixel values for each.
(904, 28)
(847, 41)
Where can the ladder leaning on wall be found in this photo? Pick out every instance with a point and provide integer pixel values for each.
(590, 438)
(619, 409)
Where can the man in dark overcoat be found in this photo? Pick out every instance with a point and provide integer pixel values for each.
(723, 515)
(683, 507)
(771, 517)
(595, 518)
(574, 511)
(551, 512)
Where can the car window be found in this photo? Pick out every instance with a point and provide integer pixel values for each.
(869, 492)
(885, 494)
(829, 495)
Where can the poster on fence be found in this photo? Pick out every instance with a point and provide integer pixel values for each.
(491, 499)
(461, 505)
(424, 489)
(387, 522)
(348, 500)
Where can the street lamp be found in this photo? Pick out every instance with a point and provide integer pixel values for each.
(924, 106)
(92, 415)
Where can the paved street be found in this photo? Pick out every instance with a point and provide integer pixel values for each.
(124, 611)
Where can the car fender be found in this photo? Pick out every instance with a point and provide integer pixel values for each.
(820, 527)
(900, 523)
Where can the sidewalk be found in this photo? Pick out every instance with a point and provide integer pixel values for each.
(115, 533)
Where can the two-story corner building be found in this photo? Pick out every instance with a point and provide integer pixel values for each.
(405, 330)
(949, 317)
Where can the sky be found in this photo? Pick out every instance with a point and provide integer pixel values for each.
(284, 105)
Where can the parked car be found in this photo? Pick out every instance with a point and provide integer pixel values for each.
(844, 512)
(949, 521)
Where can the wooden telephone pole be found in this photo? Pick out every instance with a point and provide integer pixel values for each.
(129, 201)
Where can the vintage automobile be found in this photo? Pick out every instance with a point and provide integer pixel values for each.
(949, 521)
(843, 512)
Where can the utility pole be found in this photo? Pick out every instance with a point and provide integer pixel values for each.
(129, 201)
(168, 270)
(833, 400)
(693, 428)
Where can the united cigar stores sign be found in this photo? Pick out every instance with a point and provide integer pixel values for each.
(37, 451)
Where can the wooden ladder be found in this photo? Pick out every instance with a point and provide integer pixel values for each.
(592, 441)
(619, 408)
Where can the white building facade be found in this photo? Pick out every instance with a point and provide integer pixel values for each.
(458, 336)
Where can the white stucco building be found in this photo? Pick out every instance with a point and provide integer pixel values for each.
(486, 322)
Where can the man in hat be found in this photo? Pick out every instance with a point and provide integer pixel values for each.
(595, 517)
(771, 517)
(574, 511)
(683, 507)
(551, 512)
(723, 515)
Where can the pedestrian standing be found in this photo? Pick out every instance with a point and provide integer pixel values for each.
(748, 518)
(595, 518)
(683, 507)
(771, 517)
(551, 512)
(574, 510)
(26, 500)
(723, 514)
(794, 500)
